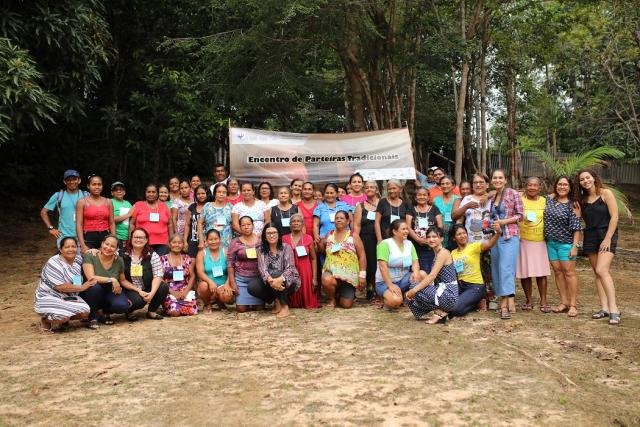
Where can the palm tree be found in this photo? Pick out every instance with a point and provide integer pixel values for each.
(586, 160)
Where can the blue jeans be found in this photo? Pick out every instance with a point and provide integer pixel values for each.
(470, 295)
(504, 257)
(101, 297)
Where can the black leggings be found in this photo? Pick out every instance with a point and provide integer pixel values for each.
(263, 291)
(158, 298)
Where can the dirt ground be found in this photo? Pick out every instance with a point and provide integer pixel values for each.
(320, 367)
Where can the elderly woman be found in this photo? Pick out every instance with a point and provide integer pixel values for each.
(304, 254)
(242, 265)
(249, 206)
(143, 273)
(57, 301)
(154, 216)
(423, 216)
(211, 266)
(277, 268)
(280, 214)
(180, 275)
(106, 270)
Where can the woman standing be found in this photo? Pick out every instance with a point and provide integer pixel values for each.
(444, 203)
(174, 188)
(296, 190)
(233, 192)
(389, 209)
(143, 273)
(438, 291)
(562, 233)
(163, 196)
(154, 216)
(242, 265)
(194, 182)
(211, 265)
(179, 274)
(217, 215)
(355, 195)
(465, 188)
(57, 301)
(277, 268)
(600, 213)
(192, 241)
(180, 209)
(248, 207)
(345, 267)
(474, 210)
(423, 216)
(532, 262)
(304, 254)
(94, 217)
(306, 206)
(324, 214)
(507, 211)
(265, 194)
(364, 227)
(280, 215)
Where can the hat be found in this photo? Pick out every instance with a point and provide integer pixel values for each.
(120, 183)
(432, 168)
(71, 173)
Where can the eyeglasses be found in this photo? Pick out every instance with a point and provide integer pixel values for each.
(271, 233)
(139, 237)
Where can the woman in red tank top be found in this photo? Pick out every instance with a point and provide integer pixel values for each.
(94, 216)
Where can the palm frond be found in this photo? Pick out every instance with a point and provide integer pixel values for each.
(623, 203)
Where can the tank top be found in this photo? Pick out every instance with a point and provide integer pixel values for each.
(367, 225)
(210, 265)
(596, 215)
(532, 225)
(96, 217)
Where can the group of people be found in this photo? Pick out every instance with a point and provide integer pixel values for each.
(442, 250)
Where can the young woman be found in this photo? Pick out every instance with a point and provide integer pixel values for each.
(179, 274)
(466, 259)
(216, 215)
(304, 254)
(389, 209)
(356, 195)
(438, 291)
(106, 270)
(180, 209)
(211, 265)
(562, 232)
(444, 203)
(57, 301)
(465, 188)
(324, 214)
(364, 227)
(248, 207)
(242, 265)
(191, 237)
(143, 273)
(600, 213)
(318, 196)
(194, 182)
(345, 266)
(163, 196)
(398, 265)
(94, 216)
(277, 268)
(265, 194)
(306, 206)
(154, 216)
(233, 191)
(296, 190)
(280, 215)
(423, 216)
(174, 188)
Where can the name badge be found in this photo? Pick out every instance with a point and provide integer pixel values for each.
(447, 217)
(74, 217)
(301, 250)
(154, 217)
(178, 275)
(251, 253)
(407, 261)
(371, 215)
(217, 271)
(532, 216)
(76, 280)
(124, 211)
(136, 270)
(220, 220)
(335, 247)
(332, 216)
(286, 222)
(423, 222)
(393, 217)
(459, 265)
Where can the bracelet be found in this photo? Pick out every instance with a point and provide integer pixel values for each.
(362, 274)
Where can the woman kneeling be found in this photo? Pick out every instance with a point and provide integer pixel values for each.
(211, 265)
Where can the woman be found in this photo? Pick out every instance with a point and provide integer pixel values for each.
(191, 237)
(474, 210)
(398, 265)
(194, 182)
(438, 291)
(306, 206)
(179, 274)
(211, 265)
(57, 301)
(233, 192)
(507, 211)
(600, 213)
(143, 273)
(180, 209)
(318, 196)
(280, 215)
(277, 268)
(389, 209)
(106, 270)
(444, 203)
(364, 227)
(248, 207)
(423, 216)
(533, 259)
(345, 267)
(242, 265)
(467, 260)
(163, 196)
(265, 194)
(324, 214)
(562, 233)
(304, 255)
(154, 216)
(174, 188)
(94, 216)
(296, 190)
(216, 215)
(356, 195)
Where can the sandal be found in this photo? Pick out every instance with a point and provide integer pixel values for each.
(154, 316)
(545, 308)
(614, 318)
(600, 315)
(131, 317)
(526, 307)
(573, 311)
(106, 320)
(92, 324)
(505, 314)
(562, 308)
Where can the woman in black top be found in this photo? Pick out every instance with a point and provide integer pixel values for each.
(280, 215)
(389, 209)
(191, 239)
(364, 226)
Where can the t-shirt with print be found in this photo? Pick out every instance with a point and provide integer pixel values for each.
(467, 263)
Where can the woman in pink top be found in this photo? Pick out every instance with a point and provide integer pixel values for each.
(94, 217)
(154, 216)
(356, 195)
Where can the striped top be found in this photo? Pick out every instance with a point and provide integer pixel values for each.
(55, 273)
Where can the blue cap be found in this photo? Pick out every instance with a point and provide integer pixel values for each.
(69, 173)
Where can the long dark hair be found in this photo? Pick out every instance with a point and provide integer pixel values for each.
(146, 251)
(572, 188)
(265, 243)
(580, 192)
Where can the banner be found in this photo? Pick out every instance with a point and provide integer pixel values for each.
(279, 157)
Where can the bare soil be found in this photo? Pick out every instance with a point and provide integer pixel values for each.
(320, 367)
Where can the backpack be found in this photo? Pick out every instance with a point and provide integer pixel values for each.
(61, 195)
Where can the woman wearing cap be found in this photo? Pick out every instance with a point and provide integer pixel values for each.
(94, 217)
(154, 216)
(122, 210)
(63, 202)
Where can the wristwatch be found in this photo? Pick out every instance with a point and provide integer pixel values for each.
(51, 227)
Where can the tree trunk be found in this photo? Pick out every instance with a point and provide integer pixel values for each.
(510, 88)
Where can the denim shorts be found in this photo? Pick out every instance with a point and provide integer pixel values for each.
(559, 251)
(404, 284)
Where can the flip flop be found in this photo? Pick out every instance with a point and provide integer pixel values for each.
(573, 311)
(600, 315)
(545, 308)
(526, 307)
